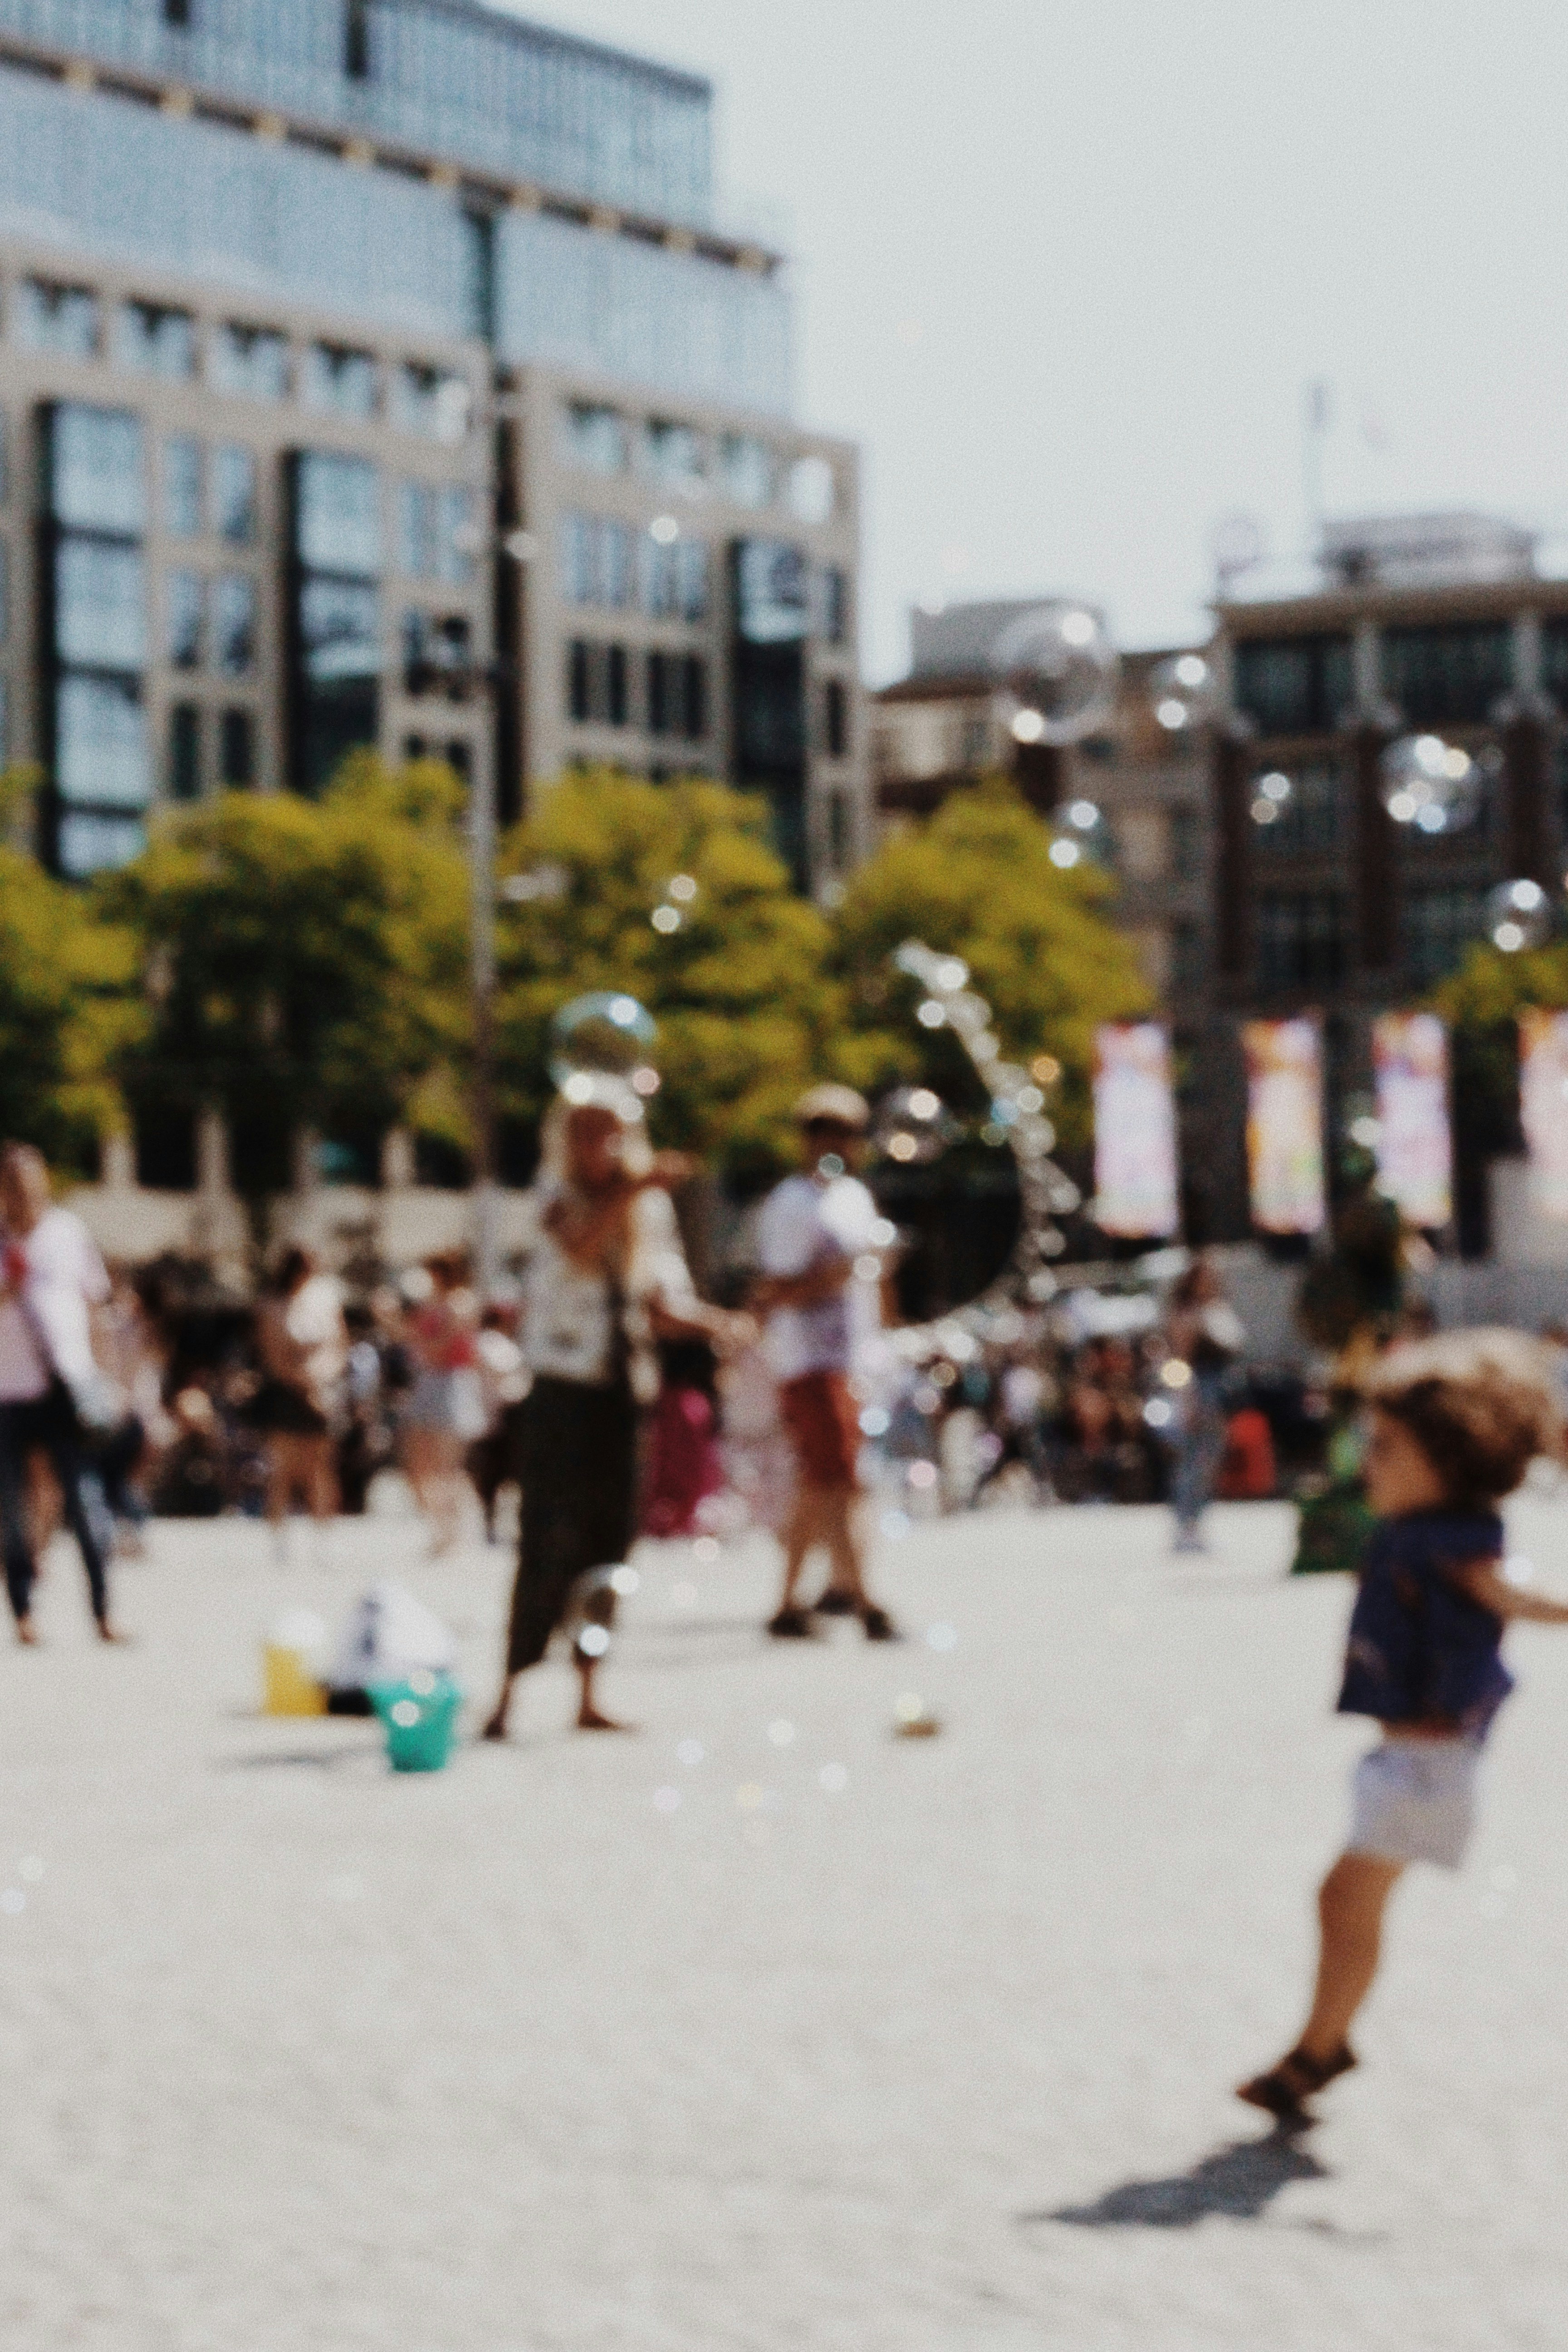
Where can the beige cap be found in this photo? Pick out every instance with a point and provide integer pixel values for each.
(832, 1106)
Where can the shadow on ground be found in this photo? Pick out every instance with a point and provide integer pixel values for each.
(1240, 2181)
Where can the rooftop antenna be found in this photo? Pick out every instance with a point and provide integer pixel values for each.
(1317, 414)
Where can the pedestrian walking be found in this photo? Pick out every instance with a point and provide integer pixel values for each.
(444, 1412)
(1455, 1425)
(1205, 1336)
(302, 1342)
(51, 1277)
(817, 1245)
(607, 1280)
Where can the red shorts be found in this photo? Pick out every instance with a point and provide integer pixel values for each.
(824, 1424)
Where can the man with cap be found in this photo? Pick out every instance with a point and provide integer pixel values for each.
(816, 1232)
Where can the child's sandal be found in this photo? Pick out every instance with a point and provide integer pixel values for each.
(1286, 2088)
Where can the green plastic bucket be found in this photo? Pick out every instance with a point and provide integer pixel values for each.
(419, 1715)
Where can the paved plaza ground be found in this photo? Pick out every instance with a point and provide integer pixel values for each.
(765, 2029)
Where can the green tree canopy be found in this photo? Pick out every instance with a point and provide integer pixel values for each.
(63, 1007)
(305, 961)
(739, 989)
(979, 882)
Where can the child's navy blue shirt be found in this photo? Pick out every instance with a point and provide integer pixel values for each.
(1420, 1650)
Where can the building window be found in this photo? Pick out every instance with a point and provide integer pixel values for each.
(691, 578)
(616, 695)
(672, 454)
(595, 437)
(155, 341)
(1294, 685)
(89, 844)
(660, 578)
(51, 317)
(693, 698)
(236, 751)
(1438, 926)
(250, 361)
(234, 623)
(182, 488)
(435, 533)
(746, 470)
(437, 653)
(101, 743)
(184, 752)
(834, 619)
(1438, 675)
(810, 490)
(336, 622)
(618, 572)
(99, 603)
(183, 620)
(579, 681)
(1309, 823)
(341, 381)
(579, 559)
(431, 401)
(1300, 939)
(234, 495)
(95, 470)
(356, 40)
(836, 719)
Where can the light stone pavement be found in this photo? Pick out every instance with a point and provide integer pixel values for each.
(296, 2057)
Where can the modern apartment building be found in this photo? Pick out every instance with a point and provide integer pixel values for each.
(1428, 624)
(377, 372)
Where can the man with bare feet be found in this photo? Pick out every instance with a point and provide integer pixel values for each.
(51, 1276)
(818, 1234)
(608, 1278)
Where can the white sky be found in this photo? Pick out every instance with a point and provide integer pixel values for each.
(1064, 270)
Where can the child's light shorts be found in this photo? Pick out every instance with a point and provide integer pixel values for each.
(1415, 1800)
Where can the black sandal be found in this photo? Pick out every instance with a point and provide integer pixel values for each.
(792, 1625)
(879, 1625)
(1284, 2090)
(836, 1602)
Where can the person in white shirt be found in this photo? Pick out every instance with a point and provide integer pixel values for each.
(818, 1247)
(51, 1277)
(608, 1277)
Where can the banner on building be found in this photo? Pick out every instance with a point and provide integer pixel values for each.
(1543, 1107)
(1285, 1124)
(1410, 1071)
(1134, 1132)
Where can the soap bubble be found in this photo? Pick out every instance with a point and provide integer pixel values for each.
(602, 1035)
(1058, 666)
(912, 1126)
(1274, 793)
(1184, 691)
(1432, 785)
(1519, 915)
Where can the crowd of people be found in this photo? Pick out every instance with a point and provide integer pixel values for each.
(607, 1391)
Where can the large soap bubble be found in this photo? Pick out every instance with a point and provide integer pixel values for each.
(1432, 785)
(1058, 667)
(1519, 916)
(603, 1037)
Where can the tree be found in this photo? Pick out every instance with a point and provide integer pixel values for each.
(979, 882)
(63, 1008)
(1481, 1003)
(305, 961)
(737, 987)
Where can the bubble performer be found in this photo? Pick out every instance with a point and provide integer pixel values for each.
(1456, 1422)
(607, 1280)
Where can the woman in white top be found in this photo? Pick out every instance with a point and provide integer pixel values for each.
(608, 1277)
(303, 1344)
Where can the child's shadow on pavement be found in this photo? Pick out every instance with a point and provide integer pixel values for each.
(1240, 2181)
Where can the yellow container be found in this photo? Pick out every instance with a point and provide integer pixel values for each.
(288, 1682)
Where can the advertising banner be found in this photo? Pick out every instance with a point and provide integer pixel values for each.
(1543, 1107)
(1285, 1124)
(1410, 1070)
(1134, 1132)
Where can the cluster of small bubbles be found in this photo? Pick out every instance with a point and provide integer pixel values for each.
(922, 1476)
(1183, 690)
(930, 1013)
(665, 920)
(593, 1641)
(1432, 785)
(679, 892)
(912, 1126)
(1518, 915)
(624, 1582)
(1065, 854)
(876, 1421)
(1273, 797)
(1367, 1132)
(1159, 1412)
(1175, 1374)
(405, 1713)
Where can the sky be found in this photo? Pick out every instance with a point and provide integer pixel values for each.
(1066, 272)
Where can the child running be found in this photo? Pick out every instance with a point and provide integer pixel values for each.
(1456, 1422)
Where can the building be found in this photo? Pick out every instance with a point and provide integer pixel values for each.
(379, 372)
(1132, 791)
(1430, 625)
